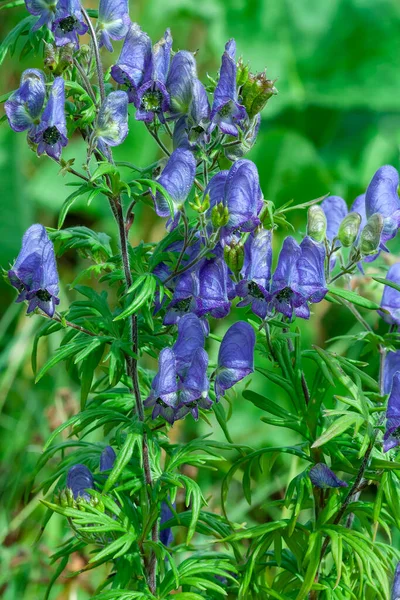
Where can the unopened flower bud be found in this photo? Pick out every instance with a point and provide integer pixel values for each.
(348, 229)
(200, 205)
(234, 257)
(242, 73)
(70, 497)
(256, 92)
(316, 223)
(371, 235)
(63, 499)
(50, 57)
(219, 215)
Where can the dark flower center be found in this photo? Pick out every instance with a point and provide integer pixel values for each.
(192, 404)
(43, 295)
(396, 433)
(161, 403)
(183, 305)
(51, 135)
(151, 101)
(284, 295)
(68, 24)
(226, 110)
(255, 291)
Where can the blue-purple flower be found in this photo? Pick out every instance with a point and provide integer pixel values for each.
(391, 298)
(335, 209)
(299, 277)
(113, 21)
(391, 439)
(227, 113)
(134, 60)
(194, 387)
(51, 133)
(44, 9)
(166, 536)
(235, 357)
(24, 106)
(80, 479)
(322, 477)
(68, 22)
(177, 178)
(396, 584)
(107, 459)
(180, 82)
(112, 122)
(256, 273)
(164, 388)
(190, 338)
(34, 273)
(392, 365)
(382, 197)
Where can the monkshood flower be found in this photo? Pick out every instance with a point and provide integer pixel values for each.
(166, 536)
(256, 273)
(226, 112)
(247, 138)
(113, 22)
(299, 277)
(391, 439)
(44, 9)
(396, 584)
(112, 122)
(322, 477)
(180, 81)
(80, 479)
(24, 106)
(391, 297)
(235, 357)
(335, 209)
(192, 129)
(152, 97)
(164, 388)
(34, 273)
(51, 134)
(134, 60)
(392, 365)
(190, 338)
(239, 190)
(194, 387)
(177, 178)
(107, 459)
(381, 197)
(68, 23)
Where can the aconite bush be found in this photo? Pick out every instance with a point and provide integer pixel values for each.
(159, 302)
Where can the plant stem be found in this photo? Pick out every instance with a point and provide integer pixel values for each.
(85, 80)
(99, 67)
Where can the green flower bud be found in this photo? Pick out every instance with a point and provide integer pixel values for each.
(63, 499)
(200, 205)
(234, 257)
(316, 223)
(348, 229)
(371, 235)
(219, 215)
(242, 73)
(256, 92)
(51, 56)
(70, 498)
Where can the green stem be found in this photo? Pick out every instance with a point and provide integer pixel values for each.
(99, 67)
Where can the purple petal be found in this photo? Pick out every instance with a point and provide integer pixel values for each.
(235, 357)
(335, 209)
(200, 106)
(177, 178)
(243, 195)
(161, 57)
(165, 386)
(190, 338)
(391, 297)
(310, 268)
(68, 22)
(392, 365)
(195, 384)
(166, 536)
(112, 123)
(213, 296)
(322, 477)
(113, 21)
(181, 78)
(258, 258)
(25, 104)
(396, 584)
(107, 459)
(382, 197)
(51, 134)
(79, 479)
(135, 58)
(43, 9)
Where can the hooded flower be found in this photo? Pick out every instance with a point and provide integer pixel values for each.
(152, 97)
(239, 190)
(235, 357)
(381, 197)
(192, 129)
(391, 297)
(396, 584)
(392, 365)
(24, 106)
(322, 477)
(180, 82)
(166, 536)
(68, 23)
(112, 122)
(79, 479)
(113, 21)
(256, 273)
(226, 112)
(177, 178)
(107, 459)
(51, 134)
(335, 209)
(185, 296)
(34, 273)
(299, 277)
(391, 439)
(164, 389)
(44, 9)
(190, 338)
(134, 60)
(194, 387)
(247, 139)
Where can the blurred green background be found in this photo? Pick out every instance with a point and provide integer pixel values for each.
(335, 121)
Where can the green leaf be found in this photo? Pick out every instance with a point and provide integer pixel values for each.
(13, 36)
(104, 169)
(146, 293)
(123, 458)
(387, 282)
(68, 202)
(61, 354)
(353, 298)
(155, 186)
(337, 428)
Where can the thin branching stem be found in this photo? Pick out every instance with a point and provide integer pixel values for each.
(99, 66)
